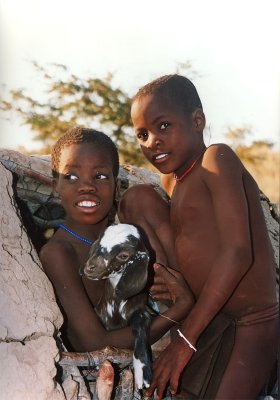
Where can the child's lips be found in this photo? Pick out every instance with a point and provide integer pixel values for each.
(158, 158)
(87, 205)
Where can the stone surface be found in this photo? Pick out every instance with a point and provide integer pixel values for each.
(29, 314)
(28, 370)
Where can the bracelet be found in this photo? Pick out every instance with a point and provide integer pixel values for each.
(170, 319)
(186, 340)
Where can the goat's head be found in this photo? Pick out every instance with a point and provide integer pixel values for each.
(121, 256)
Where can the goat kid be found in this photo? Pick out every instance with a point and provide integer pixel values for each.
(120, 257)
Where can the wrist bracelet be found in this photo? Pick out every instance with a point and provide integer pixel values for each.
(186, 340)
(170, 319)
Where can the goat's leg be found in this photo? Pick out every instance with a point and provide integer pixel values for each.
(142, 357)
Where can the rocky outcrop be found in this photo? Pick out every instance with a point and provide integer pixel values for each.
(30, 317)
(28, 311)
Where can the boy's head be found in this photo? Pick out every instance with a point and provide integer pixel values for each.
(85, 166)
(168, 120)
(78, 135)
(176, 88)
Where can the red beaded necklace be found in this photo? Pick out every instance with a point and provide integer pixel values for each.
(180, 178)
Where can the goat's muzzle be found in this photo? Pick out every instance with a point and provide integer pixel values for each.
(97, 269)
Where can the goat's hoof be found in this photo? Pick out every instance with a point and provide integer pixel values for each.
(143, 373)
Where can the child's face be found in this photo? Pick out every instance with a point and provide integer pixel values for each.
(86, 184)
(168, 137)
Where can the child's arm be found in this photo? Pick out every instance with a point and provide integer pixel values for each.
(222, 172)
(59, 262)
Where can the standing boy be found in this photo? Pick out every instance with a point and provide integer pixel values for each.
(222, 248)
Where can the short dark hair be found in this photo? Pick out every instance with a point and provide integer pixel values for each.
(78, 135)
(175, 87)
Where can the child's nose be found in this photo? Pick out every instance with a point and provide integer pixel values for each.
(87, 185)
(153, 141)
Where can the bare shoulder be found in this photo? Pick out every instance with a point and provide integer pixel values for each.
(55, 251)
(221, 156)
(219, 149)
(56, 246)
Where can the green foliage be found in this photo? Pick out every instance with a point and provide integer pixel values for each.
(70, 100)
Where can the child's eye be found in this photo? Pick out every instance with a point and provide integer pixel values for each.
(100, 175)
(164, 125)
(71, 177)
(142, 135)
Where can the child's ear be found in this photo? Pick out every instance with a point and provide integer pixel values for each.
(199, 119)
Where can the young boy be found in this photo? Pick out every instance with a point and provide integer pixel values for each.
(85, 167)
(222, 249)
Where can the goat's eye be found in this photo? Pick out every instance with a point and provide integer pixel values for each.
(124, 256)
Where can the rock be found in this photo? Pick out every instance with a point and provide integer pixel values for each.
(28, 310)
(28, 369)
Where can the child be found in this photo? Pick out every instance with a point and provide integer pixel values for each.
(85, 167)
(222, 249)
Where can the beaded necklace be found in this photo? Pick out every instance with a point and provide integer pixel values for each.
(180, 178)
(81, 238)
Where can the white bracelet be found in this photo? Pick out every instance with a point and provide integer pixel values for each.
(170, 319)
(186, 340)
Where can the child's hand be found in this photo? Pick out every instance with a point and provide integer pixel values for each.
(167, 368)
(170, 286)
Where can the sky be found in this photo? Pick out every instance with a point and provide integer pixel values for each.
(233, 46)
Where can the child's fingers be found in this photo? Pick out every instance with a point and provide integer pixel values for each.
(158, 280)
(161, 272)
(175, 283)
(149, 392)
(174, 382)
(160, 390)
(166, 271)
(178, 277)
(173, 272)
(160, 293)
(158, 287)
(158, 386)
(167, 275)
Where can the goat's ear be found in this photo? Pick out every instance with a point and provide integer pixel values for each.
(134, 277)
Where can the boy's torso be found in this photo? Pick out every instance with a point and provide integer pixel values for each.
(197, 244)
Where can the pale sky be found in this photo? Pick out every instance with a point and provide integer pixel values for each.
(233, 45)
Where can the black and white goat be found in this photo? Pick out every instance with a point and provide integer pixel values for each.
(120, 257)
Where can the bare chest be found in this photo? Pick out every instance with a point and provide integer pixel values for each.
(195, 232)
(191, 208)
